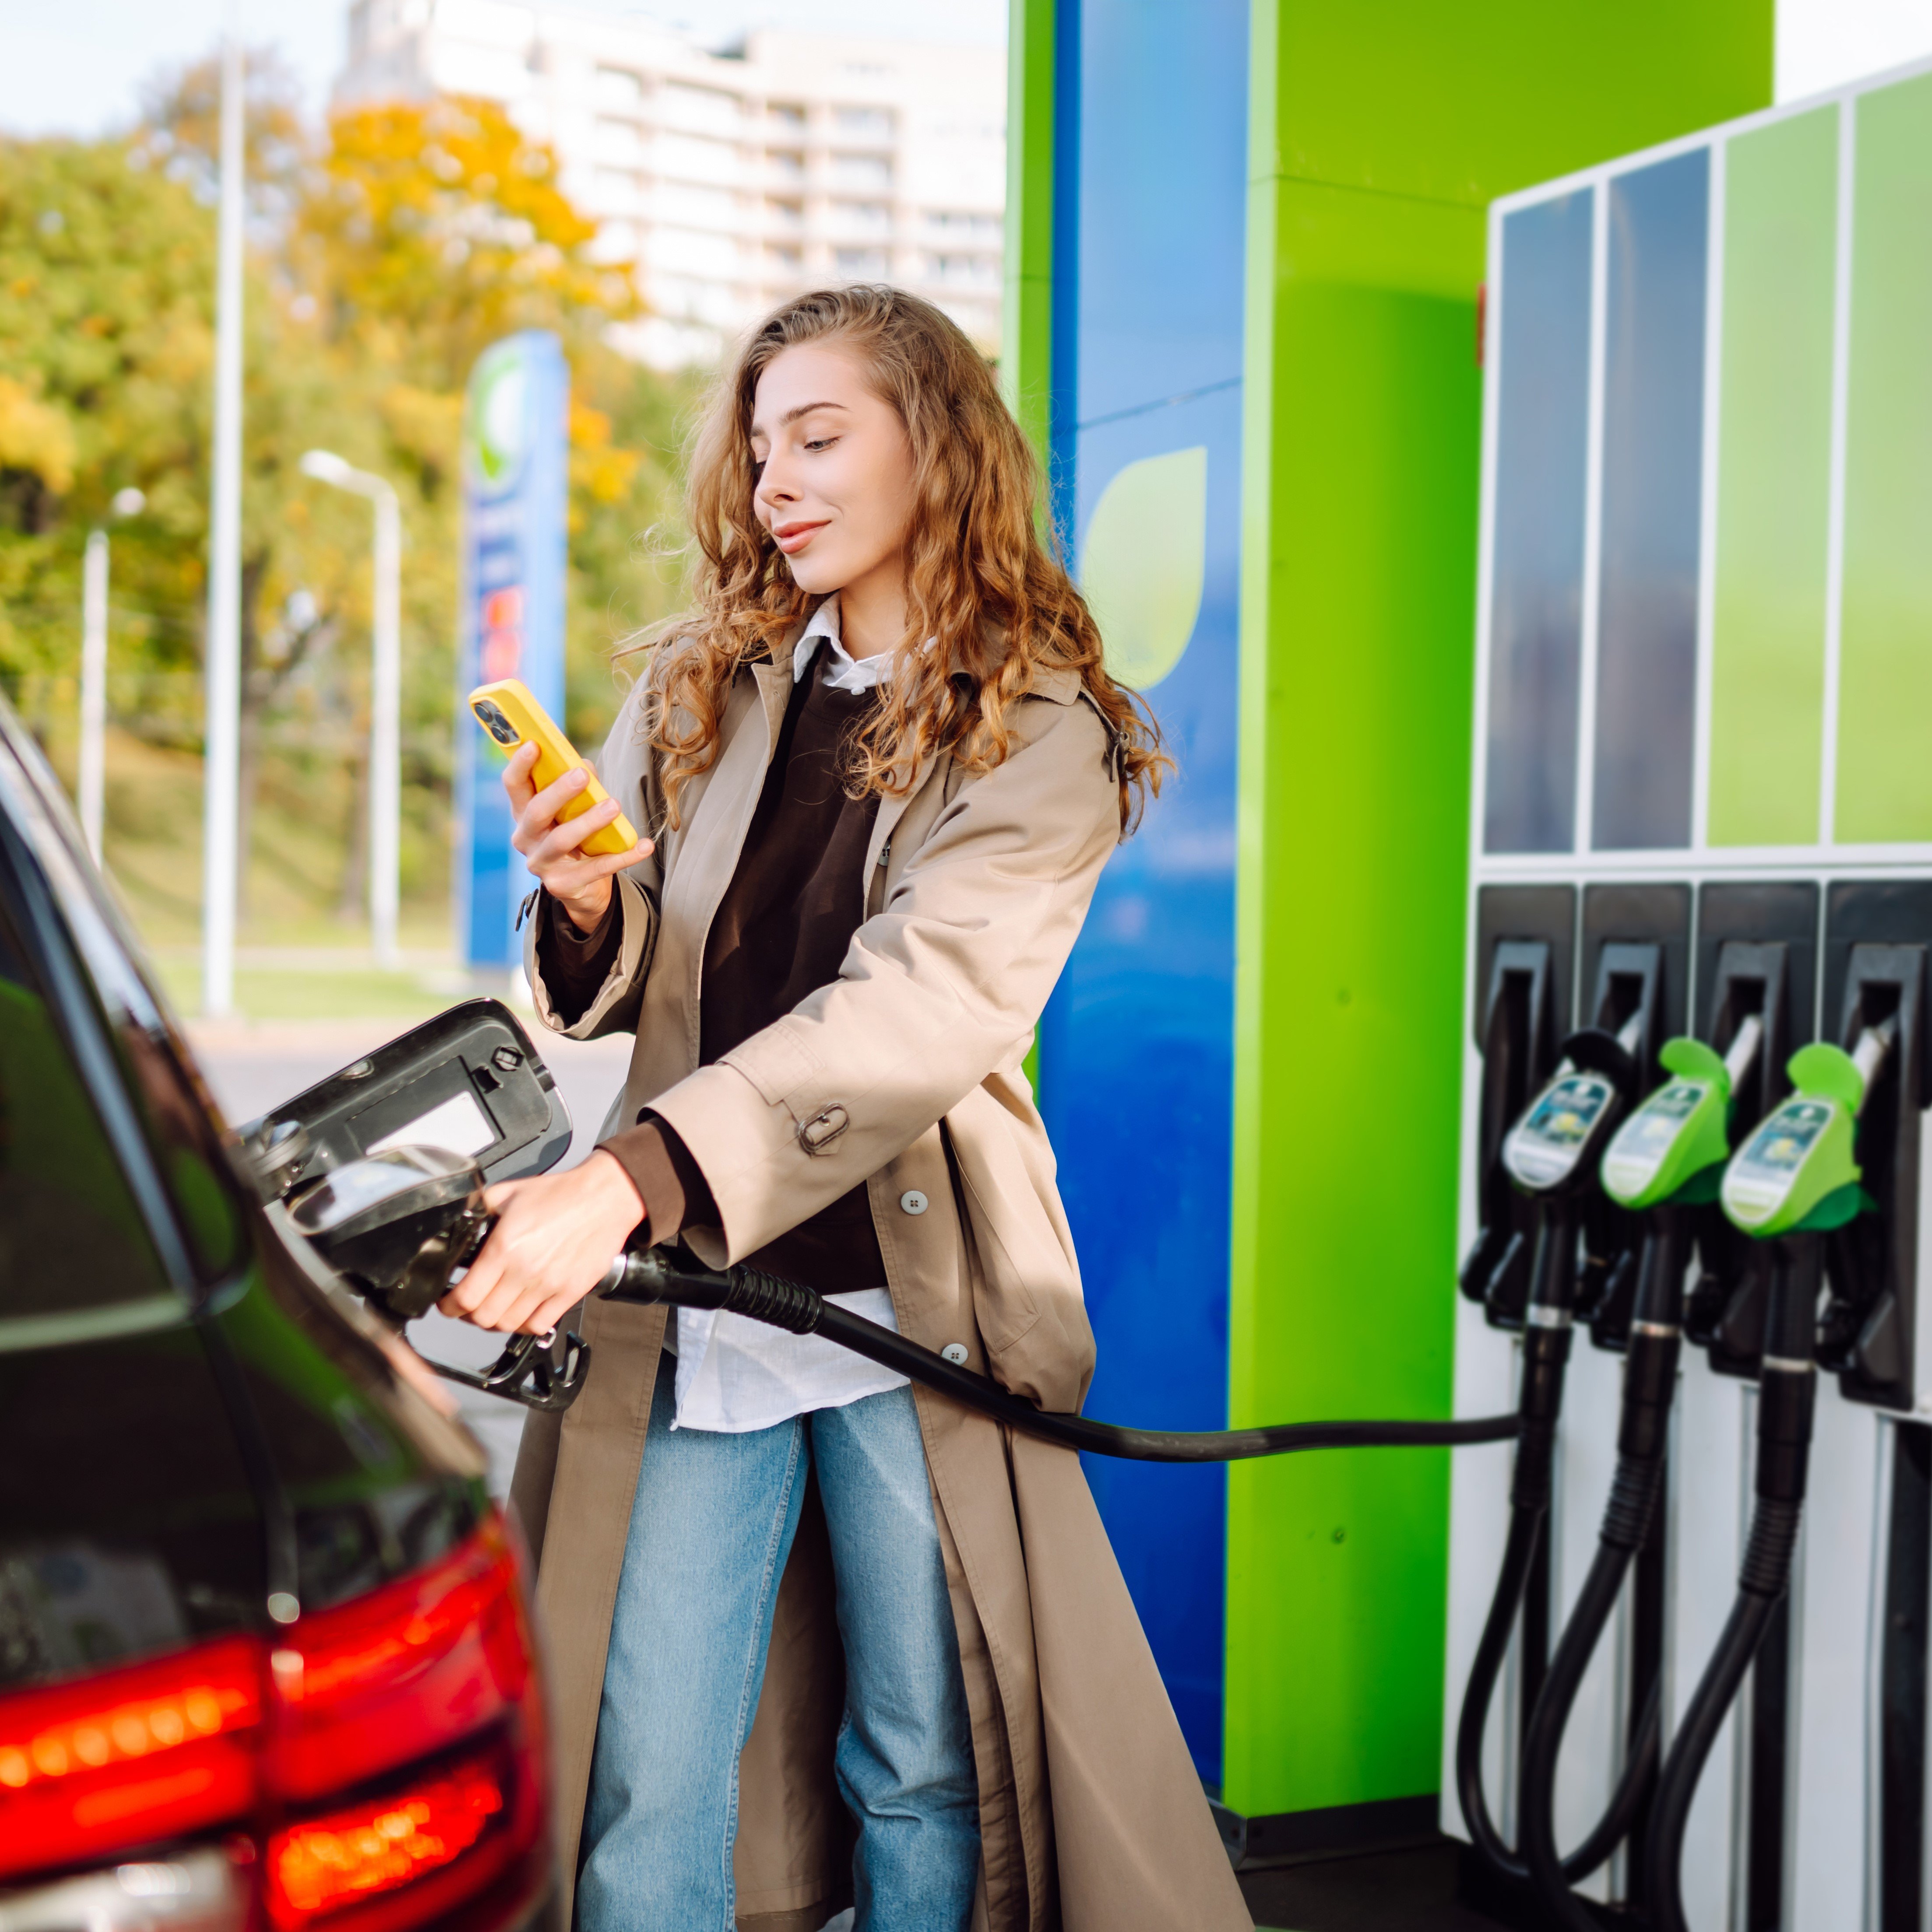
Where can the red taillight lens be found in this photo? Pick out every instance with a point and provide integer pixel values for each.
(381, 1843)
(409, 1670)
(428, 1842)
(427, 1685)
(160, 1748)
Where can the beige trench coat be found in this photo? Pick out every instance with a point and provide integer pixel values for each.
(905, 1074)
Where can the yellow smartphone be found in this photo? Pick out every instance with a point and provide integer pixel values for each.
(511, 714)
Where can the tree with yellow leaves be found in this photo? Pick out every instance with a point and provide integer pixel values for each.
(386, 252)
(430, 231)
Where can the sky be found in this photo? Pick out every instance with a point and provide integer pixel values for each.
(76, 66)
(1822, 43)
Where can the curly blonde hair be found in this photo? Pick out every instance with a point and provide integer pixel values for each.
(980, 578)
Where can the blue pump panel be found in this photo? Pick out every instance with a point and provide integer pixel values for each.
(1136, 1051)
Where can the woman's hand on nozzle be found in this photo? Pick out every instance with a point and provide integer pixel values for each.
(579, 881)
(555, 1235)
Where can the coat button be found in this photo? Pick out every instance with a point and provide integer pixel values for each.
(955, 1352)
(913, 1201)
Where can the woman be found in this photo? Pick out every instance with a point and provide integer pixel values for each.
(791, 1600)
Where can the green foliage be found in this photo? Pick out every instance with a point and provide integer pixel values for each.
(386, 252)
(106, 291)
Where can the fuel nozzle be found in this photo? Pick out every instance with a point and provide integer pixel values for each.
(1674, 1146)
(1551, 1150)
(1663, 1160)
(1792, 1186)
(1799, 1171)
(1666, 1160)
(398, 1226)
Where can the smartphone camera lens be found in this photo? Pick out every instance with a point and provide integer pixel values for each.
(494, 722)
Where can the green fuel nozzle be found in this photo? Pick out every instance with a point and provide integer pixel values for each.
(1799, 1172)
(1671, 1148)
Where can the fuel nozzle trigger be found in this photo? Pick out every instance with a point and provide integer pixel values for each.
(541, 1372)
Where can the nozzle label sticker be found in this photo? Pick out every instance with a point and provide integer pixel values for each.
(1762, 1176)
(1648, 1135)
(1544, 1147)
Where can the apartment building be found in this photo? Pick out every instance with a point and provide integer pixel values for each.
(733, 178)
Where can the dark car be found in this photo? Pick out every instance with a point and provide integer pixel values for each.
(266, 1649)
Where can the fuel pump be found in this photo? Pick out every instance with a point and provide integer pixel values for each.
(1665, 1162)
(1552, 1156)
(1794, 1181)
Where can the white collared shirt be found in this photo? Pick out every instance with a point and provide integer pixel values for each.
(734, 1374)
(856, 675)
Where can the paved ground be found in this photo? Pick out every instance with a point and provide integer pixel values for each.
(253, 1066)
(1416, 1889)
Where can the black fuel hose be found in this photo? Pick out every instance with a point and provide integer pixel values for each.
(1787, 1390)
(1650, 1381)
(1633, 1502)
(1546, 1353)
(653, 1275)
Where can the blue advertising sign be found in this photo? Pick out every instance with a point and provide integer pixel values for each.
(516, 434)
(1136, 1047)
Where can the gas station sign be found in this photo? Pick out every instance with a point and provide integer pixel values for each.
(515, 474)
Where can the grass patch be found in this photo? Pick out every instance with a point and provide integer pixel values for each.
(292, 905)
(300, 993)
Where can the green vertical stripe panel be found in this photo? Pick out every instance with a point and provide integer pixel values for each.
(1773, 482)
(1026, 321)
(1377, 136)
(1362, 538)
(1884, 689)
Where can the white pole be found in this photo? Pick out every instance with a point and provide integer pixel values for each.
(385, 749)
(93, 777)
(386, 695)
(223, 666)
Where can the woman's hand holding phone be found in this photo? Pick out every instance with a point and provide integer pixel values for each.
(580, 882)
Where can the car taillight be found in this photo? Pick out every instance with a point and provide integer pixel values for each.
(407, 1670)
(422, 1844)
(386, 1754)
(382, 1843)
(150, 1751)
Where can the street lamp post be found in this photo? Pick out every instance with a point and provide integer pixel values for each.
(223, 678)
(385, 695)
(92, 786)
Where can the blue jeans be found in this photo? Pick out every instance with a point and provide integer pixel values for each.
(710, 1530)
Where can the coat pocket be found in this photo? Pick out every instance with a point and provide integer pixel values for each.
(1002, 1299)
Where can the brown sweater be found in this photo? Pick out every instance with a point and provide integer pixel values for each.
(779, 933)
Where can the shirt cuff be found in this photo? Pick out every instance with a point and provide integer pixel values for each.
(669, 1182)
(575, 964)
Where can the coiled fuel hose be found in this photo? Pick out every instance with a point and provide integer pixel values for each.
(655, 1275)
(1787, 1388)
(1650, 1378)
(1545, 1354)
